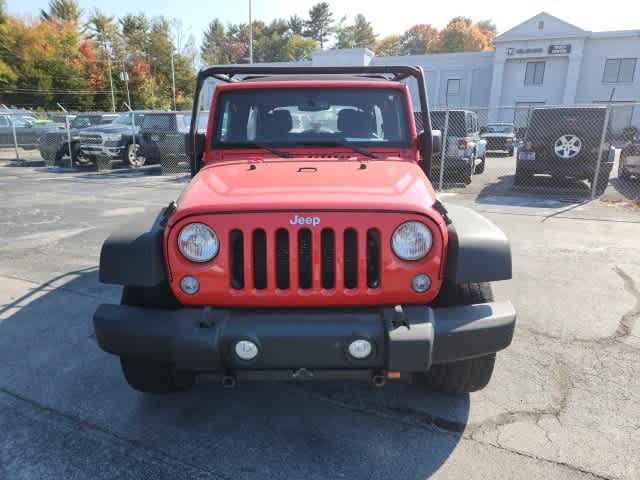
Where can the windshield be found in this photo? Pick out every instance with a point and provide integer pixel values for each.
(298, 116)
(82, 122)
(500, 128)
(23, 120)
(125, 119)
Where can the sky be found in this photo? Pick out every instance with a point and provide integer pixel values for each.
(387, 16)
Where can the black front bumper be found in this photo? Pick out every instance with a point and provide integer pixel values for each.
(404, 339)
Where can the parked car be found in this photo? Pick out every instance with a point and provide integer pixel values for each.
(105, 144)
(500, 136)
(54, 145)
(162, 139)
(564, 142)
(60, 118)
(27, 130)
(464, 150)
(315, 253)
(629, 163)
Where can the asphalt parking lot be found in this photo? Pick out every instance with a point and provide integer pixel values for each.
(563, 402)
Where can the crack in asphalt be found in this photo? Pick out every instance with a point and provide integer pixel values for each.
(628, 320)
(153, 454)
(415, 419)
(553, 462)
(534, 416)
(625, 324)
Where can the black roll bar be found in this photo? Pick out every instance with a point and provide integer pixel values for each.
(394, 73)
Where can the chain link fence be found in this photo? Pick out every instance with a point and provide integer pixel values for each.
(101, 141)
(581, 150)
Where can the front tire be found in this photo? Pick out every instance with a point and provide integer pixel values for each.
(150, 376)
(603, 181)
(133, 158)
(466, 175)
(464, 376)
(622, 172)
(104, 163)
(522, 176)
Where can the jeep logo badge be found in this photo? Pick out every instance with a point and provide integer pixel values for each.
(296, 220)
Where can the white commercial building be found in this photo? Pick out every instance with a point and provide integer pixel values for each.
(542, 61)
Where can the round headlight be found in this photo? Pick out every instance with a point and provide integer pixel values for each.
(411, 241)
(198, 243)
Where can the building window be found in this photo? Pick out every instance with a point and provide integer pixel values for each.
(534, 74)
(453, 86)
(619, 70)
(541, 25)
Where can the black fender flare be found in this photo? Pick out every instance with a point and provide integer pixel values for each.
(133, 255)
(478, 250)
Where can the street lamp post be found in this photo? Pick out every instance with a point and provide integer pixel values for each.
(250, 35)
(113, 98)
(124, 76)
(173, 82)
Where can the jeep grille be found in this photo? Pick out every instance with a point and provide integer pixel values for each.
(311, 257)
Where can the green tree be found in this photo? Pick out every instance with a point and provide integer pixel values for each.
(135, 32)
(296, 24)
(320, 24)
(358, 35)
(8, 77)
(419, 39)
(389, 46)
(101, 28)
(63, 10)
(214, 44)
(462, 35)
(185, 81)
(488, 26)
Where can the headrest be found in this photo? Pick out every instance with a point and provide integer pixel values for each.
(354, 123)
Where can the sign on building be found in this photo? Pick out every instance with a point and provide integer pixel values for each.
(560, 49)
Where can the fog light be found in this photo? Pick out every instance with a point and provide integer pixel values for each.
(246, 350)
(189, 285)
(421, 283)
(360, 349)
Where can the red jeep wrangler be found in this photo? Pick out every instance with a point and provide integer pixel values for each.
(309, 245)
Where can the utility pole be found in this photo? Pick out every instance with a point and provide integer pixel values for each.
(124, 76)
(250, 35)
(113, 98)
(173, 81)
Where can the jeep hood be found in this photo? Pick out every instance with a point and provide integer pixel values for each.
(305, 185)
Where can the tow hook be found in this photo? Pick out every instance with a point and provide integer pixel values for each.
(302, 373)
(379, 379)
(229, 381)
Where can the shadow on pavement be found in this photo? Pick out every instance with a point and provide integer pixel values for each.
(541, 192)
(49, 358)
(626, 189)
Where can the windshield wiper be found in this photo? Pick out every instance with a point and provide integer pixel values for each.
(275, 151)
(359, 150)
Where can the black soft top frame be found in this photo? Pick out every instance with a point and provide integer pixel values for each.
(229, 73)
